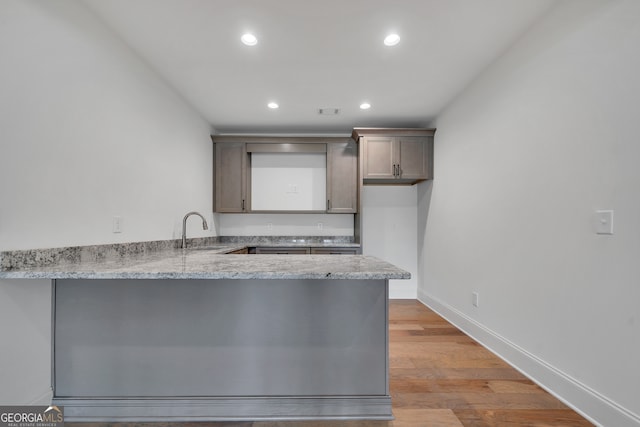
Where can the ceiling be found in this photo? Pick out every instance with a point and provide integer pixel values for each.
(320, 54)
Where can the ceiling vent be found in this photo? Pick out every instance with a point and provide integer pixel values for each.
(329, 111)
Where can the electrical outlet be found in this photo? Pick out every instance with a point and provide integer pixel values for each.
(117, 224)
(269, 226)
(320, 226)
(475, 297)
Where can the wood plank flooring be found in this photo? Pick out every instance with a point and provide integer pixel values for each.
(439, 377)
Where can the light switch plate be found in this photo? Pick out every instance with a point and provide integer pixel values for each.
(604, 222)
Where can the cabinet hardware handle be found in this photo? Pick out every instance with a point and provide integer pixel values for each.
(243, 204)
(399, 172)
(328, 205)
(395, 170)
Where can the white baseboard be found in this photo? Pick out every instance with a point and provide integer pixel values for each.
(597, 408)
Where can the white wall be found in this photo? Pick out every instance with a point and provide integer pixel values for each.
(87, 132)
(523, 158)
(288, 181)
(389, 232)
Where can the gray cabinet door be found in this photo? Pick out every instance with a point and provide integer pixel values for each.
(342, 177)
(231, 177)
(411, 154)
(379, 159)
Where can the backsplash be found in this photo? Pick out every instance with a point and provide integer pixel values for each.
(294, 224)
(278, 240)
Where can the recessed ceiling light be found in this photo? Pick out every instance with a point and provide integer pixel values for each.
(273, 105)
(365, 106)
(249, 39)
(392, 40)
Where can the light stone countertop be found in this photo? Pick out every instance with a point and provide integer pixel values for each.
(213, 262)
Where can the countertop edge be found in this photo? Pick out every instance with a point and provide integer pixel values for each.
(212, 264)
(204, 276)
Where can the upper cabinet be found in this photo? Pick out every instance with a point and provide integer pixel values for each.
(342, 177)
(395, 155)
(231, 178)
(286, 174)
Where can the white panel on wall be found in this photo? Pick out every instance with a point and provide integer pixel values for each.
(389, 232)
(288, 181)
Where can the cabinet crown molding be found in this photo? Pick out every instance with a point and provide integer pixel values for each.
(254, 139)
(358, 132)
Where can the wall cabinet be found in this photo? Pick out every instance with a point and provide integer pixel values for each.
(232, 174)
(396, 156)
(342, 177)
(231, 178)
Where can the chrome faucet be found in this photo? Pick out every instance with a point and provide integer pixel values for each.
(184, 227)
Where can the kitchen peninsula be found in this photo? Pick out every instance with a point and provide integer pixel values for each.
(199, 334)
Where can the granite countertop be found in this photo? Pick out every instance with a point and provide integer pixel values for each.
(213, 262)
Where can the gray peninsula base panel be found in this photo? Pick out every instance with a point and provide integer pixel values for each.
(221, 349)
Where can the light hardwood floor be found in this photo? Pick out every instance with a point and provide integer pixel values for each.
(439, 377)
